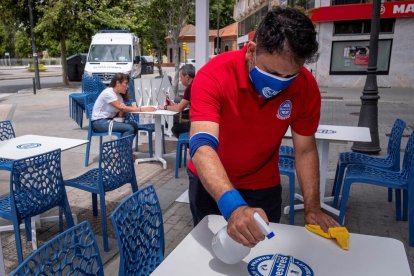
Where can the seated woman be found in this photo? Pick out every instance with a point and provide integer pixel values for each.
(111, 103)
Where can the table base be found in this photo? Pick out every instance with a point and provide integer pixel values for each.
(152, 159)
(323, 205)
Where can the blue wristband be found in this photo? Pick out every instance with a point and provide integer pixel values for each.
(230, 201)
(202, 139)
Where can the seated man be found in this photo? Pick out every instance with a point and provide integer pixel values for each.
(187, 73)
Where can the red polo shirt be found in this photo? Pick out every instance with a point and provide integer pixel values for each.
(251, 128)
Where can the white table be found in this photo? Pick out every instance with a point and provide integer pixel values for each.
(325, 135)
(26, 146)
(158, 136)
(368, 255)
(29, 145)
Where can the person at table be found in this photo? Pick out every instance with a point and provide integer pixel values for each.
(187, 74)
(242, 103)
(111, 103)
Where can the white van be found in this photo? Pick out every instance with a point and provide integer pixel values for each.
(111, 52)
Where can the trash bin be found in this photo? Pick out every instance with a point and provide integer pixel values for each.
(76, 66)
(147, 65)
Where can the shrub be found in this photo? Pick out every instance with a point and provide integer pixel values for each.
(42, 68)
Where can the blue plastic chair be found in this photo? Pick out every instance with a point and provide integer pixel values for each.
(287, 168)
(116, 168)
(139, 231)
(286, 151)
(6, 133)
(401, 180)
(91, 84)
(91, 133)
(36, 186)
(390, 161)
(73, 252)
(183, 144)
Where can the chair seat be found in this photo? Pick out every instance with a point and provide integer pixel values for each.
(88, 181)
(79, 98)
(378, 176)
(355, 157)
(6, 164)
(5, 207)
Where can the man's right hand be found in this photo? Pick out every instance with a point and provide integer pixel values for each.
(243, 228)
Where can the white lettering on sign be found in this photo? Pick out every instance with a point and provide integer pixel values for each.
(403, 8)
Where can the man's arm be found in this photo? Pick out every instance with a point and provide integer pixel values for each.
(241, 224)
(307, 169)
(178, 107)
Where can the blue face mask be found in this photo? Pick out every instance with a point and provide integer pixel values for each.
(268, 85)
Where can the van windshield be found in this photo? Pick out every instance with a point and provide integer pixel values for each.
(110, 53)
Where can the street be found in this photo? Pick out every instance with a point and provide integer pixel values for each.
(13, 86)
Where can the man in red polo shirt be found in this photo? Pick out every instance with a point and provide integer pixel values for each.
(242, 104)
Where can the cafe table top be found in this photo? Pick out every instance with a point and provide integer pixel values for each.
(293, 251)
(28, 145)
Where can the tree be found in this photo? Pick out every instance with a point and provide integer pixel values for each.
(169, 16)
(75, 20)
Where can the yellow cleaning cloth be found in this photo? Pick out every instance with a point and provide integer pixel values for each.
(341, 234)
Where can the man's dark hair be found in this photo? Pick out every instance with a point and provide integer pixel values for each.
(287, 29)
(121, 77)
(188, 70)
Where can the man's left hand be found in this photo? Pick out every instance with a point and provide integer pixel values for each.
(317, 217)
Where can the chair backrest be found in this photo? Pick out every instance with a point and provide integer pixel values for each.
(116, 164)
(73, 252)
(408, 161)
(131, 90)
(139, 231)
(394, 143)
(6, 130)
(36, 184)
(92, 84)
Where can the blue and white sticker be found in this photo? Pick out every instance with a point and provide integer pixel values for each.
(29, 145)
(326, 131)
(278, 264)
(285, 109)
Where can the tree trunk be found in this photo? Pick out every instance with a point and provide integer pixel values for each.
(177, 65)
(63, 60)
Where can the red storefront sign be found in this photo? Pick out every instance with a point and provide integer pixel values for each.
(361, 11)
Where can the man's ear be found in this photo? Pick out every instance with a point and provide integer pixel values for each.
(251, 49)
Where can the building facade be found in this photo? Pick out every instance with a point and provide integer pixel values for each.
(186, 39)
(343, 28)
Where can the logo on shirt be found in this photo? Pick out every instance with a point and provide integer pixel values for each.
(28, 146)
(278, 264)
(285, 109)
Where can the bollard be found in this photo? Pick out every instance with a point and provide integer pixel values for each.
(34, 86)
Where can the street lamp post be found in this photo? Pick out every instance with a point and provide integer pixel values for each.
(368, 116)
(35, 58)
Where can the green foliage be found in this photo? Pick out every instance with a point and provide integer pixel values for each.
(73, 22)
(226, 8)
(2, 40)
(23, 46)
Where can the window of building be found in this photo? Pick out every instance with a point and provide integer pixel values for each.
(251, 22)
(362, 26)
(351, 57)
(306, 4)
